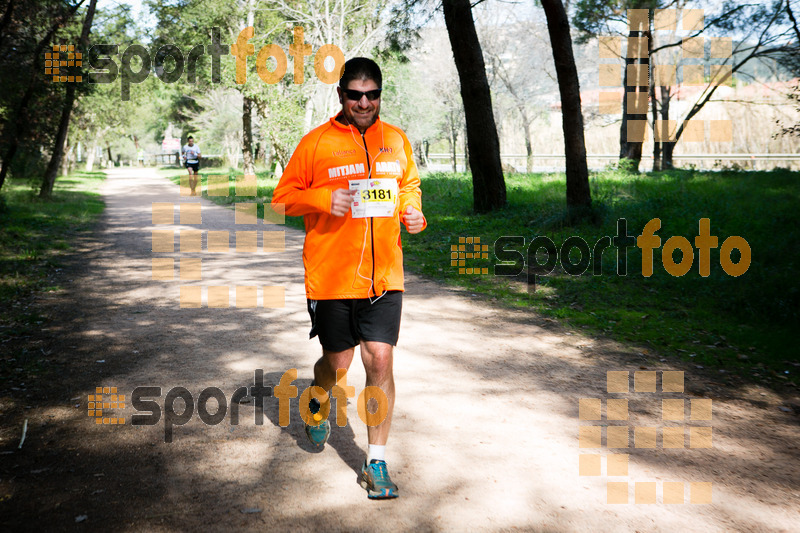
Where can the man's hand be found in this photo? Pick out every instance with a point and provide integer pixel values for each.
(340, 201)
(413, 220)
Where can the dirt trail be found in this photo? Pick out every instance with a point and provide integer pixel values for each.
(486, 427)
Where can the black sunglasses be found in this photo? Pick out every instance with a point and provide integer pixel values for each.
(357, 95)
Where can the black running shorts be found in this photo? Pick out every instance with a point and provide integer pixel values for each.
(193, 166)
(341, 324)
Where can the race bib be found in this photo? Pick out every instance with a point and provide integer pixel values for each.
(375, 197)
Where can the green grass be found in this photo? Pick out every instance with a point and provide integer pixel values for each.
(742, 324)
(35, 233)
(715, 321)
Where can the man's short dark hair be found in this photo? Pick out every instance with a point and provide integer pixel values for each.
(361, 68)
(189, 137)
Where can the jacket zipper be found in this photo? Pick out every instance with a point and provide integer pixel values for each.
(371, 238)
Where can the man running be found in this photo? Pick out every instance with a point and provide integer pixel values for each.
(191, 159)
(354, 180)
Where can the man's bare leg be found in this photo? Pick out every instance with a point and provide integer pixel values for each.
(326, 366)
(325, 378)
(192, 181)
(377, 358)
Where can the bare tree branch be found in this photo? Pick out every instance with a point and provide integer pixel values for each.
(791, 17)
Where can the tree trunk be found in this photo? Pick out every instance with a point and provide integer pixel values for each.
(58, 149)
(247, 136)
(270, 161)
(247, 114)
(91, 154)
(488, 186)
(466, 151)
(419, 157)
(454, 148)
(623, 127)
(666, 156)
(279, 155)
(65, 161)
(579, 195)
(631, 149)
(526, 125)
(263, 151)
(669, 146)
(7, 158)
(656, 154)
(664, 125)
(50, 174)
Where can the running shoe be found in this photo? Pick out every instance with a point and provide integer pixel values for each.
(318, 435)
(375, 479)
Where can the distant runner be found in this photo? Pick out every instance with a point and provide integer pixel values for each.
(191, 159)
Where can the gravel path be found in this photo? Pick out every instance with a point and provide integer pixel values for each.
(486, 429)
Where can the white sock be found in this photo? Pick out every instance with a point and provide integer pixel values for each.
(376, 452)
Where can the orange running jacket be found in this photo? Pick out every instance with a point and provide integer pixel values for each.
(347, 257)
